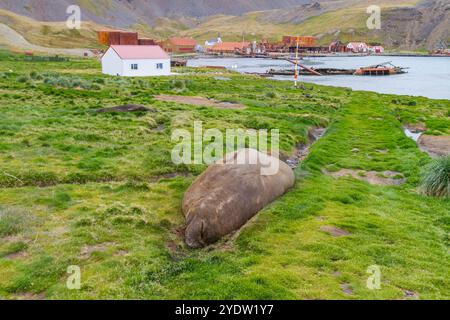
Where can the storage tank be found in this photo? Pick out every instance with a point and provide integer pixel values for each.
(129, 38)
(147, 42)
(103, 37)
(114, 37)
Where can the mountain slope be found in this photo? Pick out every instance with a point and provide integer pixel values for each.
(123, 13)
(406, 24)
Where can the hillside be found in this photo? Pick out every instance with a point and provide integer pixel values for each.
(406, 24)
(125, 13)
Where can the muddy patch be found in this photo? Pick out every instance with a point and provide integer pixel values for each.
(168, 176)
(435, 146)
(175, 246)
(335, 232)
(17, 255)
(126, 108)
(337, 274)
(386, 178)
(159, 128)
(346, 288)
(410, 295)
(200, 101)
(302, 149)
(415, 128)
(121, 253)
(86, 251)
(29, 296)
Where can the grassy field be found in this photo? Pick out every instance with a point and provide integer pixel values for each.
(100, 191)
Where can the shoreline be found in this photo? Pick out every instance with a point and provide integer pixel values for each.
(343, 81)
(281, 57)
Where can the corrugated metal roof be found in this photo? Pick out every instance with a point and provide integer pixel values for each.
(140, 52)
(183, 42)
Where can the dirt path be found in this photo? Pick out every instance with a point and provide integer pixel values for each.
(12, 38)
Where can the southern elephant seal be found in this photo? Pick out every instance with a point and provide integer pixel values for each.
(230, 192)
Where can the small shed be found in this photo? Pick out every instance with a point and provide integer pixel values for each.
(136, 61)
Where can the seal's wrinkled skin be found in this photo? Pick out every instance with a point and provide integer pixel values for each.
(226, 196)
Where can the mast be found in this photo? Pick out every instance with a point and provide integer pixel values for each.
(296, 63)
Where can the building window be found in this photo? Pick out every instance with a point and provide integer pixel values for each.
(159, 66)
(134, 66)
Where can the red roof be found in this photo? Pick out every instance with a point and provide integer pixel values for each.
(229, 46)
(183, 42)
(140, 52)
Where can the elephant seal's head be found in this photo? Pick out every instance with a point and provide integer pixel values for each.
(195, 232)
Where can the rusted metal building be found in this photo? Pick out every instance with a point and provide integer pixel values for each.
(303, 41)
(179, 45)
(337, 46)
(147, 42)
(117, 37)
(129, 39)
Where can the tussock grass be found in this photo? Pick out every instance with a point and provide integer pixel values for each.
(436, 178)
(15, 220)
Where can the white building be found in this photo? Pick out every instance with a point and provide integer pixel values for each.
(358, 47)
(136, 61)
(213, 42)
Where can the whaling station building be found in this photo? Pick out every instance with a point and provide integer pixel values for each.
(136, 61)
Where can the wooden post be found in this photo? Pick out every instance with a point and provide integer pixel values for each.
(296, 64)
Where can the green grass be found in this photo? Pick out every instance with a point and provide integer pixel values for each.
(102, 191)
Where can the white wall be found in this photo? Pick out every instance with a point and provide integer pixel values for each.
(113, 65)
(146, 67)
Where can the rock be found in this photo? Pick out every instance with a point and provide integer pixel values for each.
(230, 192)
(126, 108)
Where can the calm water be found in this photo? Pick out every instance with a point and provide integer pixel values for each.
(427, 76)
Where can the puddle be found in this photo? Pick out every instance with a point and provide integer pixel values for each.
(413, 135)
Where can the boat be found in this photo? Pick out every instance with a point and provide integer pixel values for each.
(308, 72)
(383, 69)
